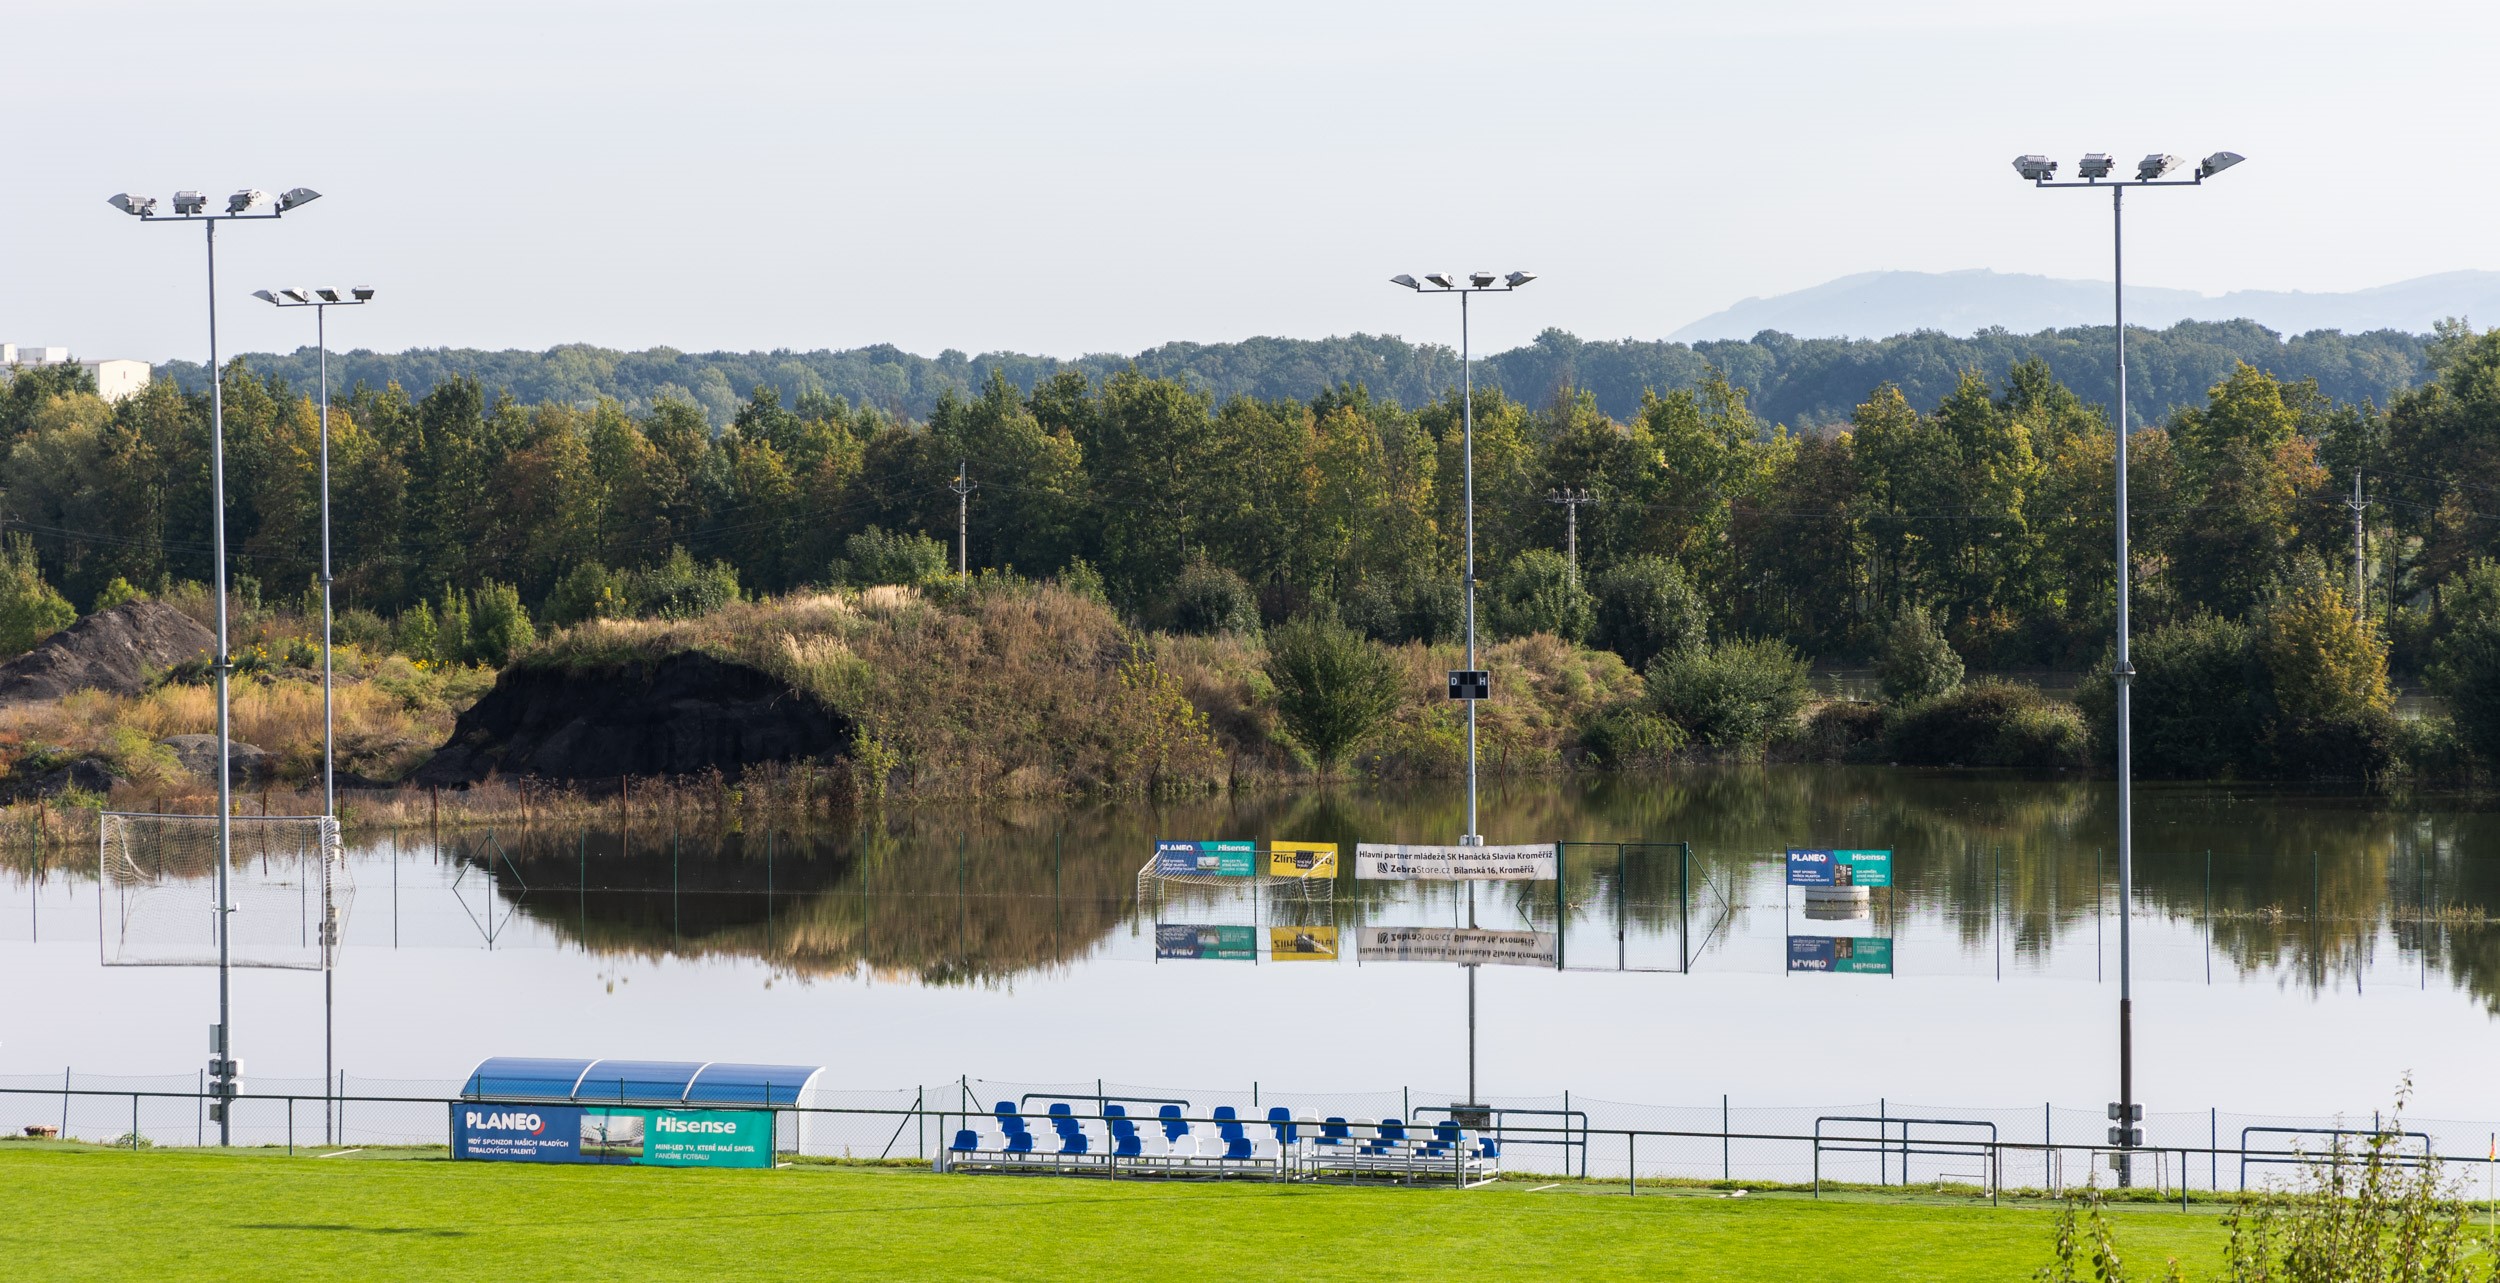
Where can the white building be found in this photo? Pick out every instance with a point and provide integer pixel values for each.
(113, 379)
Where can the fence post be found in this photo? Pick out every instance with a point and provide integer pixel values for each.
(64, 1102)
(290, 1127)
(1632, 1163)
(134, 1122)
(1725, 1167)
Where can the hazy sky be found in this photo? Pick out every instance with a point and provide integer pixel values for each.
(1089, 177)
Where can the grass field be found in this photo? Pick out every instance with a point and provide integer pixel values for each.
(74, 1213)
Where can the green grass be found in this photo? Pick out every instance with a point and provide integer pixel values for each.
(77, 1213)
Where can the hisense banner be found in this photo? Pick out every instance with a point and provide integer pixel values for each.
(1537, 863)
(1467, 946)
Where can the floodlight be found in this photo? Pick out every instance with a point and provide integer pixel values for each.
(1441, 279)
(190, 203)
(363, 293)
(244, 201)
(129, 204)
(1518, 279)
(265, 297)
(1481, 280)
(2218, 162)
(328, 296)
(2094, 165)
(2155, 165)
(1407, 281)
(297, 196)
(297, 295)
(2038, 169)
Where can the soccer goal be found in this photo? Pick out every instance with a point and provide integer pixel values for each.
(288, 891)
(1237, 900)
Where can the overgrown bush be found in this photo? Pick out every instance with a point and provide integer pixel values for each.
(1537, 593)
(587, 591)
(1733, 695)
(1918, 662)
(29, 608)
(1629, 735)
(2465, 660)
(1333, 686)
(875, 556)
(1208, 600)
(499, 627)
(1644, 606)
(1989, 724)
(1844, 730)
(1409, 609)
(115, 592)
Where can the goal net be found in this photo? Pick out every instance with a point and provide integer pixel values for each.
(287, 891)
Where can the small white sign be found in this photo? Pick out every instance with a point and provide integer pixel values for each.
(1466, 946)
(1537, 863)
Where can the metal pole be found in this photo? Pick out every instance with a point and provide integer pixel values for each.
(225, 723)
(963, 520)
(2357, 504)
(2126, 683)
(329, 737)
(1467, 438)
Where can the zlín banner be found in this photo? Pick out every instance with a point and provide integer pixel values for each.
(1826, 867)
(1841, 955)
(1538, 863)
(612, 1134)
(1301, 859)
(1467, 946)
(1302, 944)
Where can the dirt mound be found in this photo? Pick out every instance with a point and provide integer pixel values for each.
(681, 715)
(113, 650)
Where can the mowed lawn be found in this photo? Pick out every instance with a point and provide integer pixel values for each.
(69, 1214)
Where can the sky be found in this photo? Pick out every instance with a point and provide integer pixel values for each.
(1090, 177)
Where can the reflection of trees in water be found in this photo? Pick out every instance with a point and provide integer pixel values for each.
(959, 894)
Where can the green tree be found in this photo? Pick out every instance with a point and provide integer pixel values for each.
(1645, 606)
(1735, 695)
(901, 557)
(1918, 662)
(2465, 667)
(499, 627)
(1537, 593)
(1209, 599)
(1333, 686)
(30, 610)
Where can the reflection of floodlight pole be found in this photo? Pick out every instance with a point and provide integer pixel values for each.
(2096, 170)
(191, 207)
(320, 301)
(1475, 283)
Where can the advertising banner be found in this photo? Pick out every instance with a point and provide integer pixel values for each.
(1205, 859)
(1825, 867)
(1538, 863)
(1302, 944)
(1841, 955)
(1301, 859)
(612, 1134)
(1467, 946)
(1181, 941)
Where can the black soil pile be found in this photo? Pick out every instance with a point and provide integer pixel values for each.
(115, 650)
(685, 714)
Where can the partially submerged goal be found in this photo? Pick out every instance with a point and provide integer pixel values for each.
(1239, 900)
(287, 891)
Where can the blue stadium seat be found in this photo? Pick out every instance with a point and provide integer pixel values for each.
(967, 1141)
(1228, 1126)
(1125, 1143)
(1281, 1119)
(1019, 1139)
(1072, 1137)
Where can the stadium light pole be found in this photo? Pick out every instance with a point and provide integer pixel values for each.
(250, 204)
(321, 301)
(2096, 171)
(1474, 689)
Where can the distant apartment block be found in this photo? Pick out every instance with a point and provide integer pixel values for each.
(113, 379)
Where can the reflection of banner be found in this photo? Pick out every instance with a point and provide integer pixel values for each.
(613, 1134)
(1205, 859)
(1302, 944)
(1842, 955)
(1823, 867)
(1301, 859)
(1181, 941)
(1465, 945)
(1537, 863)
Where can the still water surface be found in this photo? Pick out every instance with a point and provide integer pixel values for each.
(2294, 951)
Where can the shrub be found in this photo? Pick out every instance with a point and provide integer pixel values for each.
(874, 557)
(1629, 735)
(1918, 662)
(1083, 580)
(1208, 600)
(1844, 731)
(30, 609)
(679, 588)
(1734, 695)
(499, 628)
(1333, 686)
(1989, 724)
(115, 592)
(363, 629)
(1537, 593)
(587, 591)
(418, 632)
(2327, 672)
(2465, 660)
(2198, 701)
(1644, 606)
(1407, 609)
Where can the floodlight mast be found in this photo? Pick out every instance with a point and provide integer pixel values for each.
(321, 301)
(192, 207)
(2095, 171)
(1473, 283)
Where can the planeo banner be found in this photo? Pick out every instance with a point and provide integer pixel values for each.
(1841, 955)
(612, 1134)
(1828, 867)
(1179, 941)
(1467, 946)
(1535, 863)
(1205, 859)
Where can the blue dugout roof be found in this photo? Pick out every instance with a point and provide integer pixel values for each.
(637, 1082)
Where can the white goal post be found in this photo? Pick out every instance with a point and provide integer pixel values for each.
(287, 891)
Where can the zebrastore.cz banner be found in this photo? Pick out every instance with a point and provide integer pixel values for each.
(1468, 946)
(1537, 863)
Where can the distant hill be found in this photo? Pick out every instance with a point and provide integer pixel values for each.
(1801, 382)
(1871, 304)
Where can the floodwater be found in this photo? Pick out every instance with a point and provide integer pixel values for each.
(2293, 951)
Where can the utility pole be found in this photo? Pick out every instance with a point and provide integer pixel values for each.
(2358, 506)
(963, 520)
(1571, 500)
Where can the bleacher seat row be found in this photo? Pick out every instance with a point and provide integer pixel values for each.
(1282, 1147)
